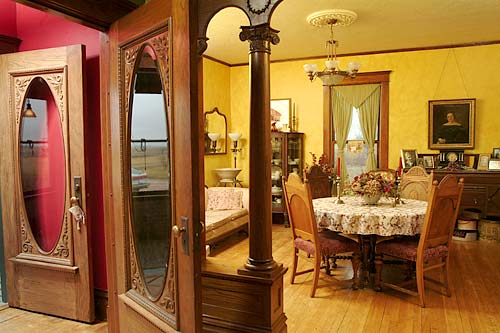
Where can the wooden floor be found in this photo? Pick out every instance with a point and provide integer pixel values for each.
(19, 321)
(473, 307)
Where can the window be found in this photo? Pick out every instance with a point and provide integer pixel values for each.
(356, 162)
(355, 151)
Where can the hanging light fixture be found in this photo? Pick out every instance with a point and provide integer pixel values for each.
(28, 112)
(332, 74)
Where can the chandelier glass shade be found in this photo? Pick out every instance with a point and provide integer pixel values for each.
(332, 74)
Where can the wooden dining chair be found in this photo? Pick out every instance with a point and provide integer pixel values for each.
(415, 184)
(319, 182)
(432, 249)
(321, 187)
(319, 245)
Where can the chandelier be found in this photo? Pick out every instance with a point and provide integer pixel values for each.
(332, 74)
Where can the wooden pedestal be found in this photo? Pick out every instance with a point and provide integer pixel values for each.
(235, 302)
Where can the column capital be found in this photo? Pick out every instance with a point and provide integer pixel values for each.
(259, 37)
(201, 45)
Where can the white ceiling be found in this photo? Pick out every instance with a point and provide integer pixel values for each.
(382, 25)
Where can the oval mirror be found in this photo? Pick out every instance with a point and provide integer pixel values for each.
(42, 165)
(150, 173)
(215, 132)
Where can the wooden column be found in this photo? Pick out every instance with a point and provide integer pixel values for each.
(260, 230)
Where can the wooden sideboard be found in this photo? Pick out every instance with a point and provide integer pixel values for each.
(481, 190)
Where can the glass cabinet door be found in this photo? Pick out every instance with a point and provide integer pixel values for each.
(294, 156)
(277, 170)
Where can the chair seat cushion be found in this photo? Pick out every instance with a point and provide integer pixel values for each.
(406, 248)
(330, 244)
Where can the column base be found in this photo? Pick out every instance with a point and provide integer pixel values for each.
(241, 300)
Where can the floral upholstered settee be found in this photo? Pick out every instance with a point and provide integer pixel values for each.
(226, 212)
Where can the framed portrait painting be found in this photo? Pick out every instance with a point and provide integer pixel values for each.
(451, 123)
(280, 113)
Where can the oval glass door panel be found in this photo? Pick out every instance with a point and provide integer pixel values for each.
(150, 173)
(42, 162)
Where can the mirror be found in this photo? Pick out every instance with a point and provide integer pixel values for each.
(42, 164)
(151, 208)
(215, 132)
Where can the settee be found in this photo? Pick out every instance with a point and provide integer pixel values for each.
(226, 212)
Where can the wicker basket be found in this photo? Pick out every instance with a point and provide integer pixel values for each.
(466, 224)
(489, 229)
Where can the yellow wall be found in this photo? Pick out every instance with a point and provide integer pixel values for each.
(416, 77)
(216, 93)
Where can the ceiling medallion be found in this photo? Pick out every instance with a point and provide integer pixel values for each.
(332, 17)
(258, 6)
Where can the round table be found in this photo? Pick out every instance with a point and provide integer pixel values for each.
(370, 222)
(383, 219)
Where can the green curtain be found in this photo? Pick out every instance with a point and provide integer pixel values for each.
(366, 98)
(342, 115)
(368, 119)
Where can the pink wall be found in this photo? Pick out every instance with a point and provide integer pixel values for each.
(39, 30)
(8, 18)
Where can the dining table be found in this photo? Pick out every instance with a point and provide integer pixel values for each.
(370, 223)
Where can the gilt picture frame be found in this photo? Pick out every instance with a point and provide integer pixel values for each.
(451, 124)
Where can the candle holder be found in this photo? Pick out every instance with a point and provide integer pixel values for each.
(339, 201)
(397, 195)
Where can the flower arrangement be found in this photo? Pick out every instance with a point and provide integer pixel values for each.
(455, 166)
(372, 185)
(322, 162)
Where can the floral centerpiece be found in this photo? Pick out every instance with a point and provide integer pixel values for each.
(372, 187)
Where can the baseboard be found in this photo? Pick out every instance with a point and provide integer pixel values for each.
(101, 304)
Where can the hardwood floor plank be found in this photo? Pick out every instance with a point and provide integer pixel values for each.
(20, 321)
(473, 306)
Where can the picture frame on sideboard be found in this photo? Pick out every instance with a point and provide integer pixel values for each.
(494, 164)
(496, 153)
(429, 162)
(483, 161)
(409, 158)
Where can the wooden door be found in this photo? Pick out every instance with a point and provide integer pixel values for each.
(42, 168)
(151, 159)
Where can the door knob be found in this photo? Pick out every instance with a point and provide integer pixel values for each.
(178, 231)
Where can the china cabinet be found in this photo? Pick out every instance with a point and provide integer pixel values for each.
(287, 157)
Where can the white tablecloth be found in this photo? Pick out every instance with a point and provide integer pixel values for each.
(354, 217)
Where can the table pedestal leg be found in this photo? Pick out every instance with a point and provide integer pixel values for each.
(378, 275)
(365, 255)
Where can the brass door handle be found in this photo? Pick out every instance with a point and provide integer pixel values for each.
(178, 231)
(74, 201)
(77, 212)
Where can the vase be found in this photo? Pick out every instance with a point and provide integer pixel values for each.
(371, 199)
